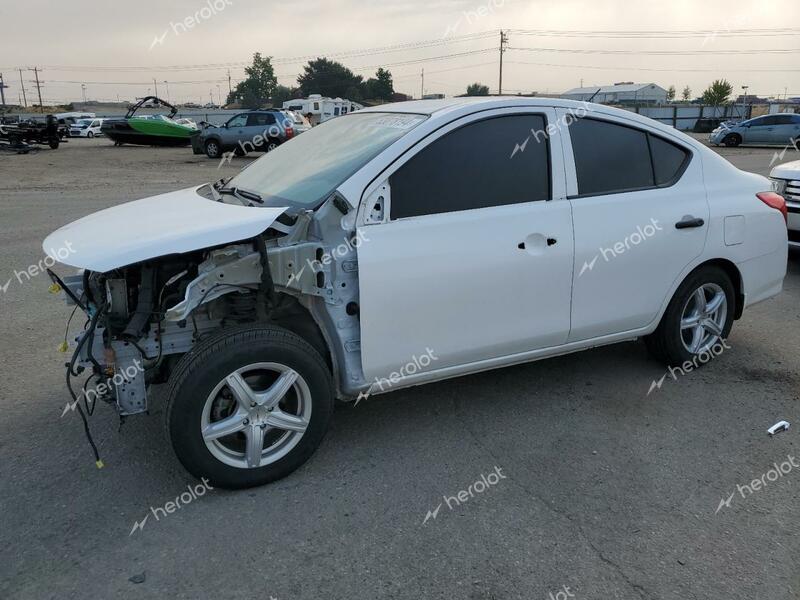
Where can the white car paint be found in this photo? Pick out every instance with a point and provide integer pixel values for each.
(93, 127)
(171, 223)
(457, 282)
(787, 177)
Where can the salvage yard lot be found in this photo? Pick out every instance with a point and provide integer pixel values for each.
(607, 491)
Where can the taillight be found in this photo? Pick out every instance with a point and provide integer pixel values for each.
(289, 132)
(775, 201)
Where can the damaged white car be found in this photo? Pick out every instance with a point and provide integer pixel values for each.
(406, 244)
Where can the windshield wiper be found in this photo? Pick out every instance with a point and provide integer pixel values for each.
(247, 195)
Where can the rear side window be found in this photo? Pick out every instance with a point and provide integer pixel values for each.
(476, 166)
(612, 158)
(784, 120)
(260, 119)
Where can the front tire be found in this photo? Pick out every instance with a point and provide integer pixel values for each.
(213, 149)
(249, 406)
(732, 140)
(90, 135)
(698, 319)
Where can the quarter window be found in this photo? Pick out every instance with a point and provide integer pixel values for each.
(612, 158)
(479, 165)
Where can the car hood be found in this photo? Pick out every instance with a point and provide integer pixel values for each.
(790, 170)
(171, 223)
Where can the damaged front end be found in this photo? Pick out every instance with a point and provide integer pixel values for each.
(300, 273)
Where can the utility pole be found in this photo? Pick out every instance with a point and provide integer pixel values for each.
(2, 90)
(422, 84)
(229, 83)
(22, 83)
(155, 85)
(38, 88)
(503, 42)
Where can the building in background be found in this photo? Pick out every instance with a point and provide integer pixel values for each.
(620, 93)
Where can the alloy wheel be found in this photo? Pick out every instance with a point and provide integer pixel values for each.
(256, 415)
(703, 318)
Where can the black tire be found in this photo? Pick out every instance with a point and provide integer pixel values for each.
(732, 140)
(271, 144)
(666, 343)
(213, 148)
(54, 143)
(200, 371)
(90, 134)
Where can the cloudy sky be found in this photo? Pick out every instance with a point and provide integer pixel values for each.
(117, 48)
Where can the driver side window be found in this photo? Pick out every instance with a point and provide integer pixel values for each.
(238, 121)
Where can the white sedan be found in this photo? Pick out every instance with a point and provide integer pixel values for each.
(405, 244)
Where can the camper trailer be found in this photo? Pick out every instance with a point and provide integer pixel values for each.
(319, 109)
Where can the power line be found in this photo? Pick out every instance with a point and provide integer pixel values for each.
(757, 70)
(656, 52)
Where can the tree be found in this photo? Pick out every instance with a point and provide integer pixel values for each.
(330, 78)
(477, 89)
(282, 94)
(718, 93)
(259, 86)
(686, 93)
(671, 93)
(380, 87)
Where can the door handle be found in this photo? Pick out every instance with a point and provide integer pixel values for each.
(550, 242)
(689, 222)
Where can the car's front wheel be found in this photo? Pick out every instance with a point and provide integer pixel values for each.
(698, 319)
(732, 140)
(90, 135)
(213, 149)
(249, 406)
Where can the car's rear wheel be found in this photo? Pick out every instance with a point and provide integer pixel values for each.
(698, 319)
(249, 406)
(213, 149)
(732, 140)
(271, 145)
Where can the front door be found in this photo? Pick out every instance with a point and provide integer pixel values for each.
(473, 258)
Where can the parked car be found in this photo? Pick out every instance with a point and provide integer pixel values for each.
(88, 128)
(770, 129)
(787, 181)
(186, 121)
(405, 244)
(261, 130)
(301, 123)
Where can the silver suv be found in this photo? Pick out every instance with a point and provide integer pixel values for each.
(257, 130)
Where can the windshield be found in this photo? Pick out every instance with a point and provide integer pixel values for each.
(83, 122)
(304, 171)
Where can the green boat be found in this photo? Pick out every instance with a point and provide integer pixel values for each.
(148, 130)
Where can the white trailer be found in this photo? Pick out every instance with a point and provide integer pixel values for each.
(319, 109)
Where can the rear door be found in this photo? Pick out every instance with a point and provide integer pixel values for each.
(641, 216)
(471, 257)
(759, 130)
(260, 127)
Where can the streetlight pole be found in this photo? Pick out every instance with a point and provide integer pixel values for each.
(166, 83)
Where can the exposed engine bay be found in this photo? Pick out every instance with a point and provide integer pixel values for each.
(301, 274)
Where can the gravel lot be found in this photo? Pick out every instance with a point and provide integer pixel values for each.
(607, 492)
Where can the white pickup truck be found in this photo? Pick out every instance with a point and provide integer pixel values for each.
(787, 178)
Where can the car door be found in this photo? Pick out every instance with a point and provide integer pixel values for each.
(233, 131)
(785, 129)
(759, 130)
(640, 216)
(260, 127)
(471, 255)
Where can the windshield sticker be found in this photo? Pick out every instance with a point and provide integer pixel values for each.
(397, 122)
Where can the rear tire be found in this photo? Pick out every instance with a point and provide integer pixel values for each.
(691, 327)
(218, 426)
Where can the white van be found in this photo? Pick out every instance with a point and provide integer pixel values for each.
(88, 128)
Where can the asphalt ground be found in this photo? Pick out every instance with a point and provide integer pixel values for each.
(599, 489)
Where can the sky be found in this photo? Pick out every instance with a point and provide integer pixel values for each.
(116, 49)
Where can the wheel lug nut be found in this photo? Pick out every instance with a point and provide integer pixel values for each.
(246, 422)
